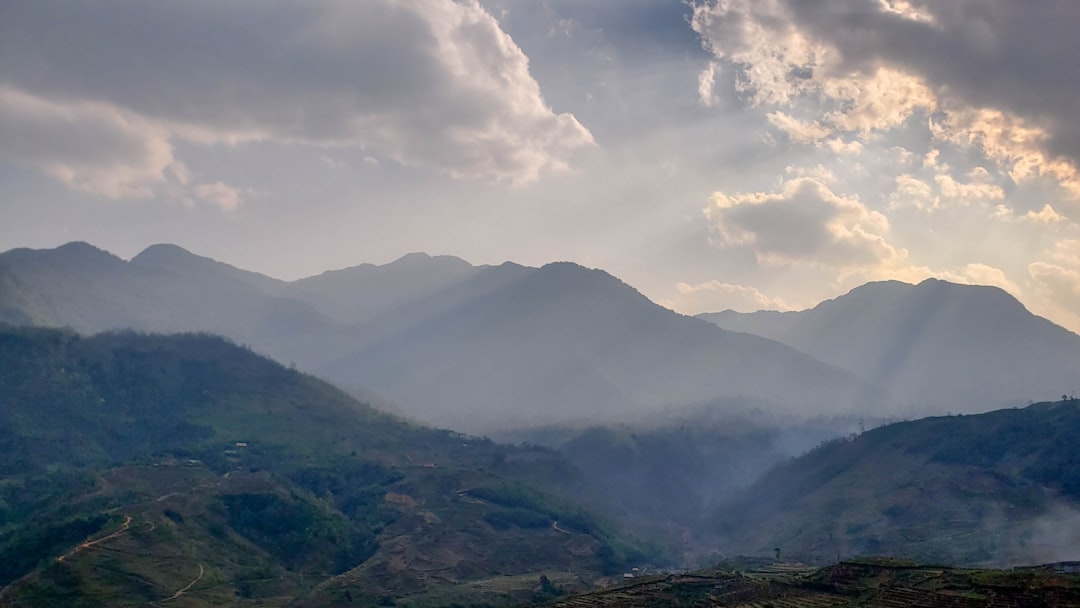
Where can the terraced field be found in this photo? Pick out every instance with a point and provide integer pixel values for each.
(867, 584)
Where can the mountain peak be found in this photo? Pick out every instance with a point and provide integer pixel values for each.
(423, 259)
(415, 256)
(163, 251)
(75, 254)
(172, 257)
(571, 276)
(80, 247)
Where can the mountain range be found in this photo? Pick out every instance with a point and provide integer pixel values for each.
(238, 479)
(485, 348)
(471, 348)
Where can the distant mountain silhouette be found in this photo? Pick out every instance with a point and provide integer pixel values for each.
(566, 343)
(473, 348)
(936, 344)
(168, 289)
(361, 294)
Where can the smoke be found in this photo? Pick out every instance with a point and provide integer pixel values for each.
(1052, 537)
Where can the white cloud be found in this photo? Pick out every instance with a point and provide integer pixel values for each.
(804, 222)
(988, 73)
(713, 296)
(905, 9)
(1056, 282)
(89, 146)
(967, 274)
(1020, 148)
(838, 146)
(431, 83)
(882, 100)
(798, 130)
(707, 84)
(1045, 216)
(224, 196)
(967, 191)
(912, 191)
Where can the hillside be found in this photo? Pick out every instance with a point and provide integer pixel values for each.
(18, 306)
(1000, 488)
(869, 583)
(150, 467)
(471, 348)
(933, 347)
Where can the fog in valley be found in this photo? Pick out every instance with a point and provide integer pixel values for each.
(673, 423)
(492, 303)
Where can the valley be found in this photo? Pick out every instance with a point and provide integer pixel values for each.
(147, 461)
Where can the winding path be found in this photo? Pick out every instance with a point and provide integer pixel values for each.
(186, 587)
(90, 543)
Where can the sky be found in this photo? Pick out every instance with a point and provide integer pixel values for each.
(744, 154)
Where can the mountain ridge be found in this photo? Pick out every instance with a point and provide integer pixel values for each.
(494, 346)
(937, 343)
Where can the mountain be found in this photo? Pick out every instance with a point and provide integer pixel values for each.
(996, 488)
(930, 345)
(18, 305)
(472, 348)
(181, 262)
(563, 343)
(142, 469)
(167, 289)
(363, 294)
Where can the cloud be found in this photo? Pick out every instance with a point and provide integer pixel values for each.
(707, 84)
(911, 190)
(1046, 215)
(968, 191)
(430, 83)
(101, 149)
(799, 131)
(1057, 286)
(716, 295)
(224, 196)
(967, 274)
(841, 147)
(89, 146)
(804, 222)
(988, 75)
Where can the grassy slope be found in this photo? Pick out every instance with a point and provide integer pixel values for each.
(208, 462)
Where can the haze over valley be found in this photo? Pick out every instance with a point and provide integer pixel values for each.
(671, 425)
(582, 303)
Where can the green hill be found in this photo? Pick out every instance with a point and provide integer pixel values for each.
(995, 488)
(136, 468)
